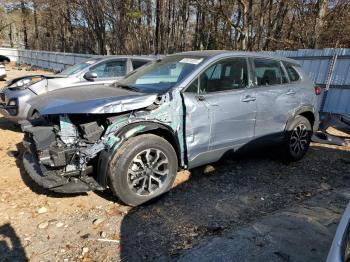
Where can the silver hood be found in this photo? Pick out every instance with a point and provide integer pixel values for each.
(97, 99)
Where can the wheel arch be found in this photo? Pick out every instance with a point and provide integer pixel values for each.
(133, 130)
(155, 128)
(306, 111)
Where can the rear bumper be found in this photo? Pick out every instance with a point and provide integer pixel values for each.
(55, 182)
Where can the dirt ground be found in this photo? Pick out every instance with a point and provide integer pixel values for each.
(227, 197)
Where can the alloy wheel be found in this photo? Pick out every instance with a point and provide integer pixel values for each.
(299, 139)
(147, 172)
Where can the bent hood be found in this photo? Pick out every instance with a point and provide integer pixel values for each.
(97, 99)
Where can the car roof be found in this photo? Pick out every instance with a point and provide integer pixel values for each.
(138, 57)
(227, 53)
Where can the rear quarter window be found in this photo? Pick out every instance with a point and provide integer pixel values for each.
(292, 73)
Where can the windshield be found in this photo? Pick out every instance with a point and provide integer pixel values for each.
(78, 67)
(162, 74)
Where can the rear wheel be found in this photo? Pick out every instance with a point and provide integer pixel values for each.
(143, 168)
(298, 138)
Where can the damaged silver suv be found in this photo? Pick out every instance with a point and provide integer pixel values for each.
(181, 111)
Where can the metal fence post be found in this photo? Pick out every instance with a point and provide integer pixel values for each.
(329, 79)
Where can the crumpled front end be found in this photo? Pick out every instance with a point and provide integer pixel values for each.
(70, 153)
(58, 156)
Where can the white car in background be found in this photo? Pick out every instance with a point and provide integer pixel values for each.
(96, 72)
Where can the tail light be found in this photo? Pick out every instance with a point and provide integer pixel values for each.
(318, 90)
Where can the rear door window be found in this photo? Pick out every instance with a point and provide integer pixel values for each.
(269, 72)
(292, 73)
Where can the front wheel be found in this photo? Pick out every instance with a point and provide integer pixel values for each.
(143, 168)
(298, 138)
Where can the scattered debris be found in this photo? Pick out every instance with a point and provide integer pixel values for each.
(98, 221)
(209, 169)
(85, 236)
(43, 225)
(108, 240)
(59, 224)
(41, 210)
(325, 186)
(84, 251)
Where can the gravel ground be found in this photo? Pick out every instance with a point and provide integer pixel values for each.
(226, 197)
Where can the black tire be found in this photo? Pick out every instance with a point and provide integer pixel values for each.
(132, 161)
(297, 138)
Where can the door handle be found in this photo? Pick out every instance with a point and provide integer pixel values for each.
(248, 98)
(291, 92)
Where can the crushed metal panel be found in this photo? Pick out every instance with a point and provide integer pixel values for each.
(91, 99)
(168, 113)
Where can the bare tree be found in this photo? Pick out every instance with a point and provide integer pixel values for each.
(167, 26)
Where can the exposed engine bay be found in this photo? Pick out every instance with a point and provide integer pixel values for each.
(63, 146)
(64, 149)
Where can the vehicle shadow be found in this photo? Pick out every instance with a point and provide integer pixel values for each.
(11, 248)
(241, 189)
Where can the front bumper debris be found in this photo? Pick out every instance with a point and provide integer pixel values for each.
(58, 183)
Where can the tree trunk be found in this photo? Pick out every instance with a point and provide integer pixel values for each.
(10, 36)
(157, 39)
(261, 22)
(36, 31)
(24, 23)
(250, 25)
(319, 24)
(269, 26)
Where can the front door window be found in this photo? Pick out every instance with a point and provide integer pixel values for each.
(110, 69)
(225, 75)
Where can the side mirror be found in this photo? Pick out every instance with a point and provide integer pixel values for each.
(90, 76)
